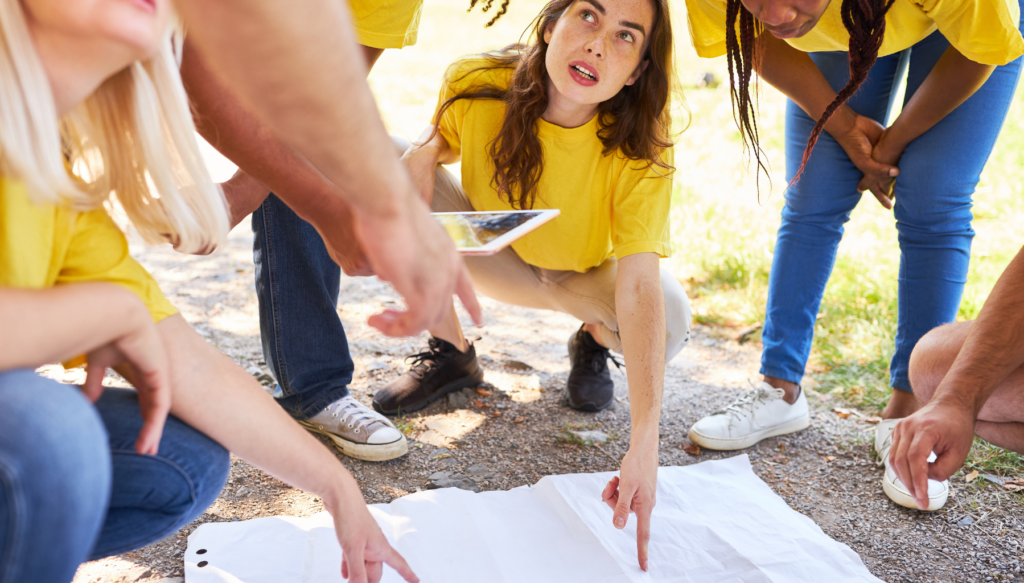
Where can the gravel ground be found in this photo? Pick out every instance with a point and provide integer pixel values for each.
(512, 432)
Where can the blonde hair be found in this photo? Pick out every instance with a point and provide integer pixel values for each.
(133, 137)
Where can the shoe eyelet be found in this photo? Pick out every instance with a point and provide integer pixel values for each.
(357, 431)
(320, 426)
(350, 427)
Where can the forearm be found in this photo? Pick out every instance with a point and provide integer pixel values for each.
(994, 347)
(640, 305)
(297, 65)
(953, 79)
(433, 143)
(214, 395)
(225, 122)
(794, 74)
(44, 326)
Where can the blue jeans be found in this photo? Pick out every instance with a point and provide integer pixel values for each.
(938, 173)
(297, 286)
(72, 487)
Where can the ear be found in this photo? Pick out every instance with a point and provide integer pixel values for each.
(636, 73)
(548, 31)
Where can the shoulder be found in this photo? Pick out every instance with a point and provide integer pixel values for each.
(477, 71)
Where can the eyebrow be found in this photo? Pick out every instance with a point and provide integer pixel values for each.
(625, 23)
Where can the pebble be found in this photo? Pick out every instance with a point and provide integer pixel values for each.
(461, 399)
(591, 437)
(451, 480)
(965, 521)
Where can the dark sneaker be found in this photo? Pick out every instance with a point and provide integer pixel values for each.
(439, 370)
(590, 385)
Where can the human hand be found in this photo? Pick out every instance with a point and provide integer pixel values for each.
(411, 250)
(364, 549)
(421, 161)
(946, 429)
(141, 356)
(858, 139)
(635, 490)
(346, 250)
(885, 151)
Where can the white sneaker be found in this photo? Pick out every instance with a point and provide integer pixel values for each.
(359, 431)
(760, 413)
(938, 492)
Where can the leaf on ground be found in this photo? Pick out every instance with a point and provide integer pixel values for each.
(971, 476)
(830, 458)
(780, 459)
(519, 420)
(483, 392)
(1014, 485)
(692, 449)
(480, 404)
(843, 413)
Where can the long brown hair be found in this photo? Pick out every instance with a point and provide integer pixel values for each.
(487, 4)
(637, 121)
(864, 21)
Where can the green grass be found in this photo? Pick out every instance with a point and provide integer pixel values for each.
(724, 229)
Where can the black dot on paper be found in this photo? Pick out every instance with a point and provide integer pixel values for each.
(201, 552)
(203, 563)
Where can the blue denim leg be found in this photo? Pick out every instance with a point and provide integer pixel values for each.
(297, 286)
(938, 174)
(154, 496)
(55, 478)
(816, 209)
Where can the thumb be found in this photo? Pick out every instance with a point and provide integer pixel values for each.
(93, 385)
(622, 509)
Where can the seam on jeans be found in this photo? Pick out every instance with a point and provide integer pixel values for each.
(188, 512)
(17, 505)
(275, 322)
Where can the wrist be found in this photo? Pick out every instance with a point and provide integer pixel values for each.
(841, 122)
(340, 490)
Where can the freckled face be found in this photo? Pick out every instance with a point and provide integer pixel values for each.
(129, 29)
(787, 18)
(596, 46)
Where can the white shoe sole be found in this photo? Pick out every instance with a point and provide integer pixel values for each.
(731, 444)
(363, 451)
(907, 501)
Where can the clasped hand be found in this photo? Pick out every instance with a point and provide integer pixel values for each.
(875, 153)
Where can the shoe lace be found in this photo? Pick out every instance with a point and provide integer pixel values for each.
(746, 403)
(598, 357)
(422, 363)
(352, 413)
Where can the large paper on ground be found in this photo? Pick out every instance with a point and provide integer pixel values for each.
(714, 521)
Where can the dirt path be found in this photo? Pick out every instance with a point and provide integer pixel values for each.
(511, 437)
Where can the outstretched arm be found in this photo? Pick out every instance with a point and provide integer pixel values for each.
(640, 305)
(297, 67)
(214, 395)
(994, 348)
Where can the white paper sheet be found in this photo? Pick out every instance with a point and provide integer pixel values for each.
(714, 521)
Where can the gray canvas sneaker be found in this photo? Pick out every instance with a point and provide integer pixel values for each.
(358, 431)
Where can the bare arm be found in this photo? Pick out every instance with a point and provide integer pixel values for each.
(994, 348)
(296, 65)
(640, 305)
(214, 395)
(422, 160)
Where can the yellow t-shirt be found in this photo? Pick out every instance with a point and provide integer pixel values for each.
(42, 246)
(985, 31)
(386, 24)
(611, 205)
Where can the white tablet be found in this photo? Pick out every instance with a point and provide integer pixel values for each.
(486, 233)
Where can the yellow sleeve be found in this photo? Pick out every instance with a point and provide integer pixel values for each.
(640, 209)
(706, 19)
(984, 31)
(450, 124)
(386, 24)
(99, 252)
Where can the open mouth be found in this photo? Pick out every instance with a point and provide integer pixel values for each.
(582, 73)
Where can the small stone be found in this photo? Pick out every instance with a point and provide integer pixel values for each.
(441, 453)
(516, 365)
(461, 399)
(965, 521)
(375, 365)
(145, 574)
(591, 437)
(451, 480)
(994, 479)
(478, 470)
(243, 492)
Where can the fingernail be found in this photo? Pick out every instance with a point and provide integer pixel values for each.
(644, 566)
(619, 523)
(893, 172)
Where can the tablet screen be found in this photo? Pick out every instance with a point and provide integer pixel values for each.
(489, 232)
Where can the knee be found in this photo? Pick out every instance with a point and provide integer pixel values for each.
(677, 315)
(931, 359)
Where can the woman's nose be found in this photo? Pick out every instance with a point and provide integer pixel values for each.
(596, 46)
(774, 13)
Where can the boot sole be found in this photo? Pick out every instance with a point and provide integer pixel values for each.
(380, 452)
(464, 382)
(720, 444)
(907, 501)
(589, 407)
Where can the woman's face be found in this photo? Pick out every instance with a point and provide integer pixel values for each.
(787, 18)
(114, 31)
(595, 48)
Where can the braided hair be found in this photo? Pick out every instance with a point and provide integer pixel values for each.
(486, 5)
(864, 21)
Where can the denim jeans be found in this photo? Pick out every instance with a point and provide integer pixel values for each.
(297, 286)
(938, 173)
(72, 487)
